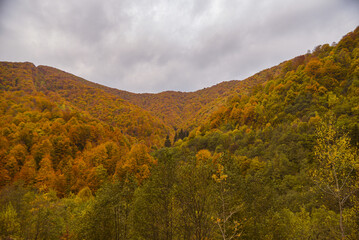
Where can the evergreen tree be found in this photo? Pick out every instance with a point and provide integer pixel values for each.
(168, 142)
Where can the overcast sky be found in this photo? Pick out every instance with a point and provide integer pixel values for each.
(158, 45)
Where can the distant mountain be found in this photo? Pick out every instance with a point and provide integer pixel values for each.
(153, 114)
(151, 117)
(61, 87)
(189, 109)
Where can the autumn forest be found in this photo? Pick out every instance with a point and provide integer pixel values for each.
(274, 156)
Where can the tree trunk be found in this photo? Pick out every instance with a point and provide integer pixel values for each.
(341, 220)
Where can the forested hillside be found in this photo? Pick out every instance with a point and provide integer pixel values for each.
(189, 109)
(60, 87)
(272, 157)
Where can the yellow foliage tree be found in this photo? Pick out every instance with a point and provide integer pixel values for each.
(28, 171)
(337, 167)
(137, 163)
(45, 178)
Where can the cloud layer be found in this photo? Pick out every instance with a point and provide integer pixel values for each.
(153, 46)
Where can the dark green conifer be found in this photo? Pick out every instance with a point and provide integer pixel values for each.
(168, 142)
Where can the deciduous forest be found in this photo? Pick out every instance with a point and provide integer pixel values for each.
(274, 156)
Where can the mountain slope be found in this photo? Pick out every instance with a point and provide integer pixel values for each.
(167, 110)
(53, 135)
(63, 87)
(308, 86)
(187, 109)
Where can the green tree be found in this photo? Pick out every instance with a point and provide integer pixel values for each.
(168, 142)
(336, 169)
(9, 223)
(154, 213)
(227, 207)
(108, 217)
(195, 197)
(41, 216)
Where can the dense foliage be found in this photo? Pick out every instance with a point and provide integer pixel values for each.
(275, 158)
(65, 89)
(189, 109)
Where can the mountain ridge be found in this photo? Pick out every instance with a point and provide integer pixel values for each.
(62, 87)
(176, 102)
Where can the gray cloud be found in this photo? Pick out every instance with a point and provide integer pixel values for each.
(152, 46)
